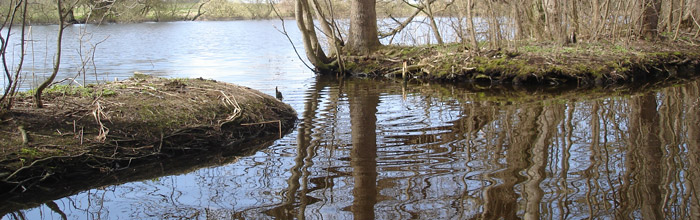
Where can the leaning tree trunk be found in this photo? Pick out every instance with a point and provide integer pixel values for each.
(57, 61)
(362, 38)
(314, 52)
(433, 24)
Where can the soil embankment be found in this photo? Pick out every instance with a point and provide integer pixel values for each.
(100, 130)
(583, 65)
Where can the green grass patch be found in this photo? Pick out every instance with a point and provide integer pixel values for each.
(71, 90)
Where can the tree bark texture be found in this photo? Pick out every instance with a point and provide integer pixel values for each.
(362, 38)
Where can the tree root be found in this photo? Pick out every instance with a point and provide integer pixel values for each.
(7, 179)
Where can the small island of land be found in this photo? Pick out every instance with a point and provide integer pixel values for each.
(542, 65)
(581, 65)
(107, 127)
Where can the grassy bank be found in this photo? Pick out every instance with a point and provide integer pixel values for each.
(594, 64)
(105, 128)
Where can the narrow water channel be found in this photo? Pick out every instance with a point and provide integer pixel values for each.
(375, 148)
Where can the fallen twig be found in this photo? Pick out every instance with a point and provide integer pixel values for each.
(25, 137)
(236, 108)
(98, 114)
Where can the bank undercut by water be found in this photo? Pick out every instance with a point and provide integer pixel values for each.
(106, 127)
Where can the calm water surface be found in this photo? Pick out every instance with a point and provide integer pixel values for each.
(368, 149)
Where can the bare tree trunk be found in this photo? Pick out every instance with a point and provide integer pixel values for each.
(575, 19)
(650, 18)
(57, 61)
(600, 24)
(595, 22)
(678, 27)
(537, 18)
(554, 24)
(14, 88)
(326, 27)
(199, 10)
(494, 27)
(362, 37)
(669, 18)
(615, 23)
(310, 27)
(12, 81)
(472, 29)
(433, 24)
(516, 12)
(314, 52)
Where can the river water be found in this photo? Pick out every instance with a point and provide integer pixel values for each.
(371, 148)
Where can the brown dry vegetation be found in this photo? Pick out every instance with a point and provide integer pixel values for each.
(107, 127)
(591, 64)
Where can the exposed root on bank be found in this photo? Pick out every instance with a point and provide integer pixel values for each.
(99, 114)
(20, 183)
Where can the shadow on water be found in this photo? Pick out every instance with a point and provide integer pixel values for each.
(368, 148)
(134, 172)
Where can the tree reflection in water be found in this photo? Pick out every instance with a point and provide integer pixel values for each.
(373, 149)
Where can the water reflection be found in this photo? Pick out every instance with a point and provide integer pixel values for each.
(422, 151)
(363, 102)
(369, 149)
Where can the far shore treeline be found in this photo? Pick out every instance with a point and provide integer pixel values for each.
(129, 11)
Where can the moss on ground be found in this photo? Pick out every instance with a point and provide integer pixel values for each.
(594, 64)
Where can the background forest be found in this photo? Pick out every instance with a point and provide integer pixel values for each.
(498, 20)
